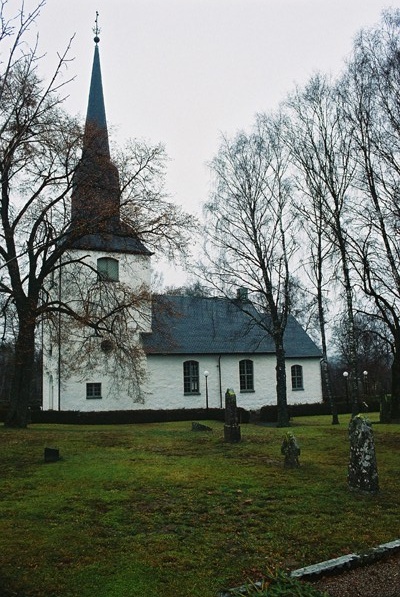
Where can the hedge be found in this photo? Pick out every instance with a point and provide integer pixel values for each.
(267, 414)
(125, 417)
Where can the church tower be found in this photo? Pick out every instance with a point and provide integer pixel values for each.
(92, 357)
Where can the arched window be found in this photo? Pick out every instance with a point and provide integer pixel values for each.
(191, 377)
(107, 269)
(246, 375)
(297, 377)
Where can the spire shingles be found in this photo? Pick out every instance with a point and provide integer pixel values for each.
(95, 201)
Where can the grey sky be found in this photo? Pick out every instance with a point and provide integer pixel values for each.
(183, 71)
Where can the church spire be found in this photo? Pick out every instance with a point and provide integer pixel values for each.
(96, 122)
(95, 200)
(96, 194)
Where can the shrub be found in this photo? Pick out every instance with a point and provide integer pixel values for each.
(278, 584)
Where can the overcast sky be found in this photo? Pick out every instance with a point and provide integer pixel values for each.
(184, 71)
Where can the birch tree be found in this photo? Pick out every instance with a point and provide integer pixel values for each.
(249, 232)
(370, 92)
(321, 149)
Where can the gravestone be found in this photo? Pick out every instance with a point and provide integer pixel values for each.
(363, 472)
(51, 455)
(231, 428)
(200, 427)
(291, 451)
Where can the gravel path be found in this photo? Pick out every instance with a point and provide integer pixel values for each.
(380, 579)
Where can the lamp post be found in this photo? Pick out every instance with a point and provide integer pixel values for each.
(365, 379)
(346, 380)
(206, 377)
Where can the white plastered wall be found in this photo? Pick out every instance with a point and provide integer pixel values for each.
(68, 391)
(164, 389)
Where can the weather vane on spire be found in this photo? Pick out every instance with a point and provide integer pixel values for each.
(96, 28)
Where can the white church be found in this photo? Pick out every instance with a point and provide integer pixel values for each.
(164, 352)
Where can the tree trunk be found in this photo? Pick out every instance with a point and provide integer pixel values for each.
(351, 332)
(18, 415)
(283, 414)
(326, 380)
(395, 402)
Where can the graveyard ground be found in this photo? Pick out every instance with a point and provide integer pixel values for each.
(158, 509)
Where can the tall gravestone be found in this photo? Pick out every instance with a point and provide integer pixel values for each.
(363, 471)
(231, 427)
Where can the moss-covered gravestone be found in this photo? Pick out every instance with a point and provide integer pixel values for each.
(200, 427)
(291, 451)
(231, 427)
(363, 472)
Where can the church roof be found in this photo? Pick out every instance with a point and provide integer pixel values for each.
(191, 325)
(111, 243)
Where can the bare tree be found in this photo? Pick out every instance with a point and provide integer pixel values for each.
(40, 150)
(38, 144)
(317, 252)
(370, 96)
(374, 350)
(318, 281)
(166, 227)
(321, 149)
(250, 235)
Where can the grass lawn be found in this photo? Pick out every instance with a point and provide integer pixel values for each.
(159, 510)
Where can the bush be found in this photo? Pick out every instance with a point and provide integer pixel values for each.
(278, 584)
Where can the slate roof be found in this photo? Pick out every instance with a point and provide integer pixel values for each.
(96, 112)
(111, 242)
(190, 325)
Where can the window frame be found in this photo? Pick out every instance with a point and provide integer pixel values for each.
(191, 378)
(246, 375)
(93, 390)
(109, 273)
(296, 373)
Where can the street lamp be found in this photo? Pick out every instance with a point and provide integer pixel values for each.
(206, 376)
(365, 379)
(346, 379)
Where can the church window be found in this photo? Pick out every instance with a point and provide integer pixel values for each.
(297, 377)
(108, 269)
(93, 390)
(191, 377)
(107, 346)
(246, 375)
